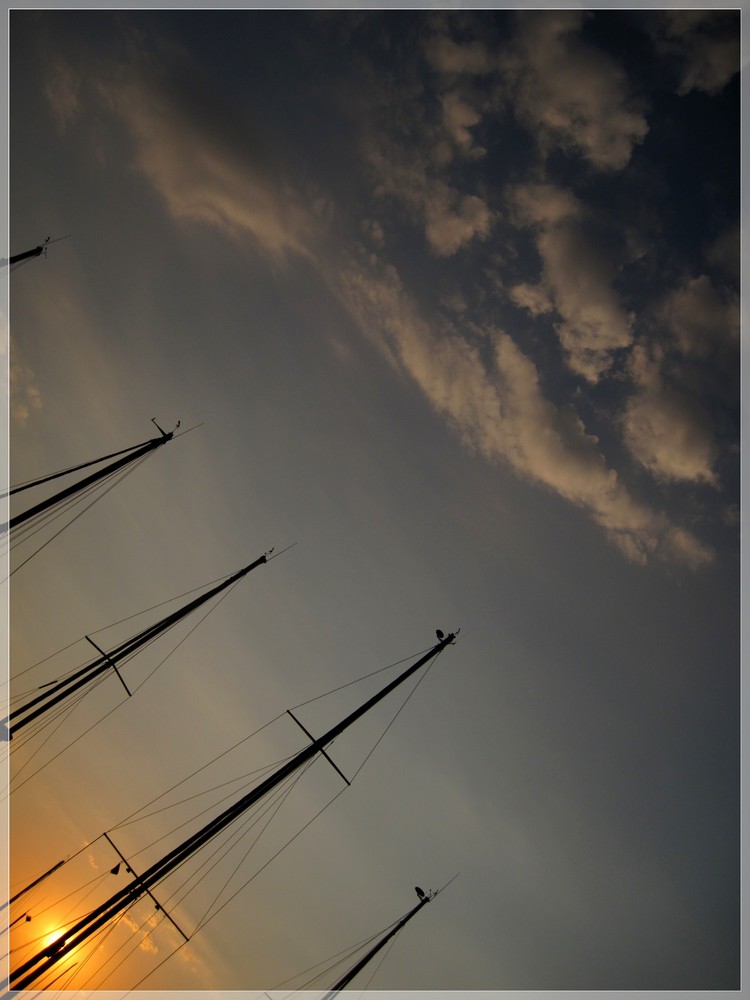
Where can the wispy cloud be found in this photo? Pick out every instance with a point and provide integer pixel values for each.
(202, 182)
(199, 155)
(25, 395)
(143, 932)
(62, 91)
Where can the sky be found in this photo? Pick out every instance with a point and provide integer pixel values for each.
(448, 302)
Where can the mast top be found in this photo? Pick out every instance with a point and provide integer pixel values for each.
(165, 434)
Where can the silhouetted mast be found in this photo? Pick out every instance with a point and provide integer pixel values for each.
(133, 454)
(36, 882)
(63, 689)
(29, 971)
(424, 897)
(26, 255)
(19, 258)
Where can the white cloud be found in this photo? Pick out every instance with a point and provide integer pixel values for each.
(571, 95)
(577, 279)
(501, 413)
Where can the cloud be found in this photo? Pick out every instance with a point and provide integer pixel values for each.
(458, 117)
(451, 219)
(667, 431)
(189, 143)
(25, 395)
(500, 412)
(569, 94)
(667, 424)
(146, 942)
(577, 278)
(706, 42)
(374, 231)
(533, 298)
(702, 319)
(454, 58)
(62, 91)
(202, 181)
(724, 253)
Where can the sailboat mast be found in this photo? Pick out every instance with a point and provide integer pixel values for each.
(27, 254)
(348, 976)
(31, 885)
(33, 968)
(138, 452)
(41, 703)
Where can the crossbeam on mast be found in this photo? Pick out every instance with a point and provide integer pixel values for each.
(59, 691)
(308, 733)
(129, 868)
(111, 663)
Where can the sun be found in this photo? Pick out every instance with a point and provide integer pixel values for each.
(52, 936)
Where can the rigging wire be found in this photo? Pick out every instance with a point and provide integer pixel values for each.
(273, 808)
(272, 813)
(383, 957)
(80, 514)
(96, 681)
(239, 890)
(258, 772)
(273, 857)
(135, 943)
(377, 742)
(70, 857)
(44, 518)
(66, 919)
(60, 715)
(130, 818)
(137, 614)
(39, 481)
(195, 816)
(200, 621)
(364, 677)
(332, 962)
(100, 937)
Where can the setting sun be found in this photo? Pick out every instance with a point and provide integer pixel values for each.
(52, 936)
